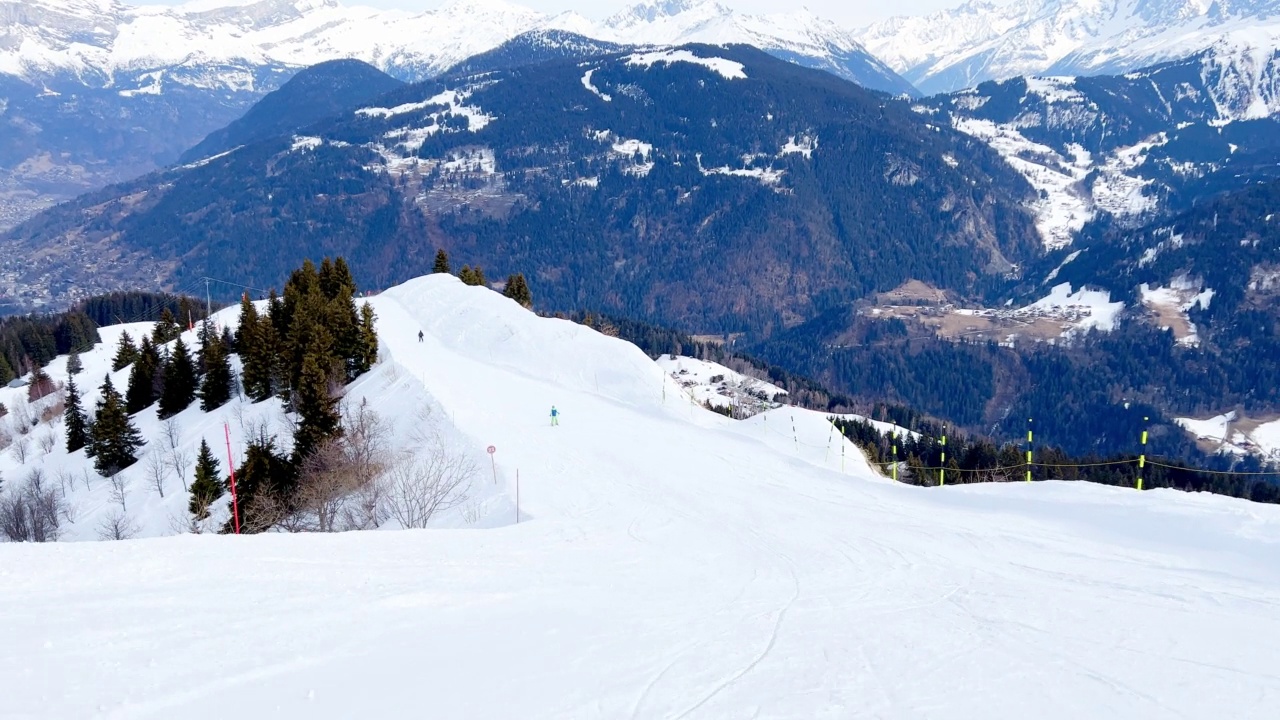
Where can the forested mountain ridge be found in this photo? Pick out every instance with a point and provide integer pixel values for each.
(1196, 335)
(312, 95)
(1134, 147)
(716, 188)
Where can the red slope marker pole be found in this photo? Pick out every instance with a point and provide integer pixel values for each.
(235, 506)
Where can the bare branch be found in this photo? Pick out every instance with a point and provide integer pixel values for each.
(156, 470)
(34, 512)
(180, 461)
(421, 486)
(117, 526)
(172, 432)
(118, 490)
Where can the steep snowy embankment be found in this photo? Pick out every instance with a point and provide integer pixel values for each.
(668, 563)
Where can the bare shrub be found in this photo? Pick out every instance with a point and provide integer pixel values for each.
(471, 513)
(336, 483)
(53, 409)
(156, 470)
(23, 417)
(117, 526)
(21, 449)
(325, 481)
(66, 481)
(48, 441)
(419, 486)
(364, 437)
(118, 491)
(180, 461)
(34, 512)
(367, 508)
(171, 430)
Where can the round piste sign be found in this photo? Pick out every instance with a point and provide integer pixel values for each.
(492, 449)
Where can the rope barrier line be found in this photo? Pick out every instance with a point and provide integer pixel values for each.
(936, 468)
(1210, 472)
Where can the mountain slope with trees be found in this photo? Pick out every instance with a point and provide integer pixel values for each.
(711, 187)
(315, 93)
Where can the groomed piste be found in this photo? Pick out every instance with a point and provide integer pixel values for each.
(668, 563)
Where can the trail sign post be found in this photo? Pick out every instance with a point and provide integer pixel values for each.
(494, 463)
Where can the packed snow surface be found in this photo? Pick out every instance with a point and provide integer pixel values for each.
(669, 563)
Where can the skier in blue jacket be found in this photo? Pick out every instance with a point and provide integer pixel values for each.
(555, 416)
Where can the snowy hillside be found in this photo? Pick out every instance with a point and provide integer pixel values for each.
(961, 47)
(668, 562)
(709, 383)
(1231, 433)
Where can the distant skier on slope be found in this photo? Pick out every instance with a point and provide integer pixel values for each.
(555, 416)
(419, 336)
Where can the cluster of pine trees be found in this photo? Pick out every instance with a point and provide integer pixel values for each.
(136, 306)
(163, 371)
(308, 344)
(303, 349)
(31, 341)
(516, 287)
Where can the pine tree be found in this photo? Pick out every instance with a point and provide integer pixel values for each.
(126, 353)
(318, 418)
(343, 323)
(263, 474)
(472, 276)
(207, 486)
(517, 289)
(114, 439)
(74, 364)
(255, 353)
(166, 328)
(142, 378)
(442, 262)
(368, 338)
(202, 341)
(40, 386)
(179, 381)
(74, 420)
(6, 371)
(228, 341)
(215, 391)
(187, 311)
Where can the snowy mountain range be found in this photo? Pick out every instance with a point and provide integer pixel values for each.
(224, 44)
(94, 92)
(982, 40)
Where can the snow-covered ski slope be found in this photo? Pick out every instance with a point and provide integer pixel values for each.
(668, 563)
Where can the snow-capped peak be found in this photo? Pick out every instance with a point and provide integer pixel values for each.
(977, 41)
(97, 41)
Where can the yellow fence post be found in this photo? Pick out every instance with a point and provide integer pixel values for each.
(1142, 458)
(1028, 449)
(942, 470)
